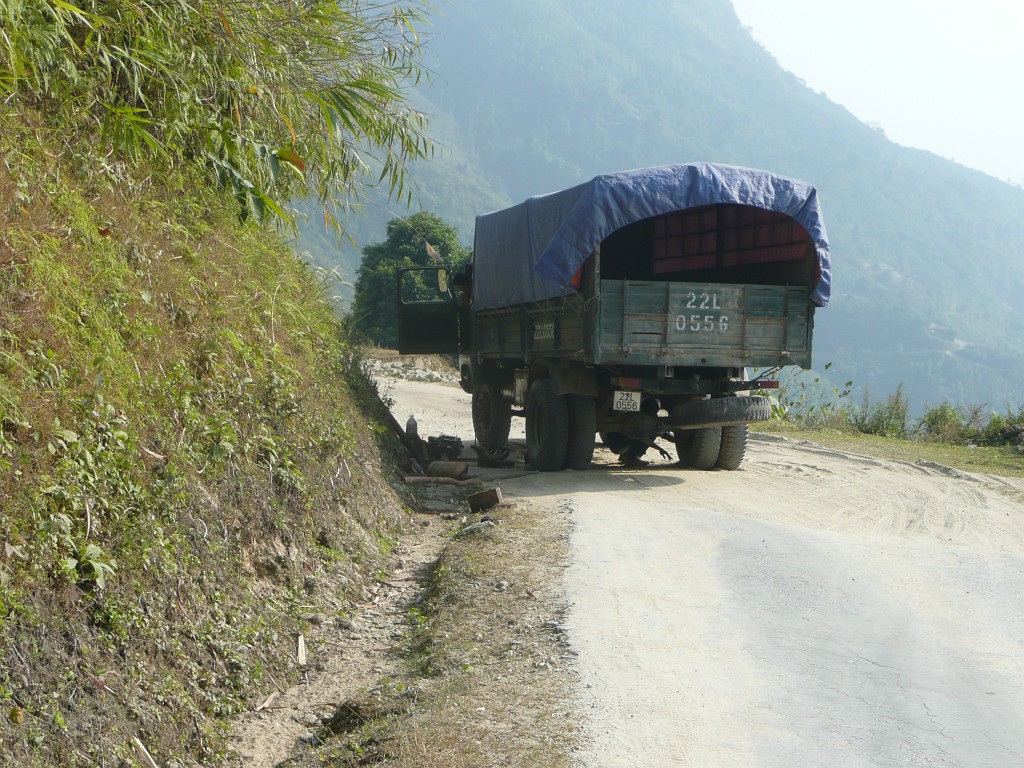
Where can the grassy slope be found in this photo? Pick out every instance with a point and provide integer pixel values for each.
(181, 459)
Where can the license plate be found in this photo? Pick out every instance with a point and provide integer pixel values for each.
(626, 401)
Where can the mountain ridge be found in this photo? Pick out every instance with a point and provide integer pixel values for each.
(543, 95)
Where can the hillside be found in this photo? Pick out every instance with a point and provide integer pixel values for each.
(185, 459)
(537, 96)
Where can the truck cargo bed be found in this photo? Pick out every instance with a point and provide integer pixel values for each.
(713, 324)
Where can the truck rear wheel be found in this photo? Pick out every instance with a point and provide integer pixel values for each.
(734, 446)
(699, 448)
(579, 451)
(547, 426)
(492, 416)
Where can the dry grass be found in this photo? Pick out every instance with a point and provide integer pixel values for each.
(500, 670)
(488, 673)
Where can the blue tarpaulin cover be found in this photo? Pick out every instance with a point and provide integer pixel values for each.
(531, 251)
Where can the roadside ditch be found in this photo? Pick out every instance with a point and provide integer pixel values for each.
(457, 658)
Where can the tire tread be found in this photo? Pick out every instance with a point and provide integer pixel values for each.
(547, 426)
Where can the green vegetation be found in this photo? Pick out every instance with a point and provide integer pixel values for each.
(887, 418)
(269, 98)
(992, 460)
(804, 400)
(973, 438)
(180, 467)
(419, 240)
(184, 425)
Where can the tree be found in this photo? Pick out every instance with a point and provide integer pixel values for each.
(272, 99)
(410, 242)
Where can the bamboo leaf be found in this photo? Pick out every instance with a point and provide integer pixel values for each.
(226, 24)
(265, 201)
(84, 15)
(292, 157)
(175, 83)
(258, 204)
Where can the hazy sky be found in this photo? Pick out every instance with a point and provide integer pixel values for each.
(935, 74)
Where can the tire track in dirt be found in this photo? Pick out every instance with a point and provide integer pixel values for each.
(821, 488)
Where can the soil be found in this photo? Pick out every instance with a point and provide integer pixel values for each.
(459, 658)
(352, 657)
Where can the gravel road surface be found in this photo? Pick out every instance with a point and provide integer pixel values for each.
(813, 608)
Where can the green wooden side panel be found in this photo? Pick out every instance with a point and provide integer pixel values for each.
(713, 324)
(559, 328)
(657, 323)
(498, 333)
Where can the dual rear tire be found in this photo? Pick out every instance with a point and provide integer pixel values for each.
(560, 429)
(579, 450)
(734, 447)
(709, 447)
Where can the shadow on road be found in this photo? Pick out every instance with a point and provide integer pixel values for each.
(601, 477)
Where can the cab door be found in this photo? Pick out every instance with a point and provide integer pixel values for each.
(428, 314)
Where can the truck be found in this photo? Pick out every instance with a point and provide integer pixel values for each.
(630, 307)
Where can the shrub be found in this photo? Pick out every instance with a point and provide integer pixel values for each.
(259, 94)
(944, 423)
(1005, 429)
(804, 398)
(888, 418)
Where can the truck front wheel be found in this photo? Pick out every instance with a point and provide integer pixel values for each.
(492, 416)
(547, 426)
(699, 448)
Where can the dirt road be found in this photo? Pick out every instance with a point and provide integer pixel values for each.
(813, 608)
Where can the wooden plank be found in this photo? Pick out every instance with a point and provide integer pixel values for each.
(702, 324)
